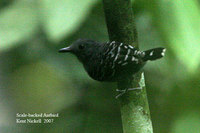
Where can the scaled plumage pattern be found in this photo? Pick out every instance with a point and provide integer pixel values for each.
(111, 61)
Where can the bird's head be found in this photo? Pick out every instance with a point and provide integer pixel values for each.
(82, 48)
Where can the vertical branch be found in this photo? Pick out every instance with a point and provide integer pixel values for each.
(134, 104)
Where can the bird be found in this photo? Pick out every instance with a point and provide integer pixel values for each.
(111, 61)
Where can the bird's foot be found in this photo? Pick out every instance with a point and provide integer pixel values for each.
(122, 92)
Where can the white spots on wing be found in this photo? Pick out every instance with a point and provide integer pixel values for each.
(128, 52)
(112, 48)
(116, 57)
(143, 54)
(130, 46)
(119, 62)
(125, 63)
(126, 57)
(135, 52)
(133, 58)
(163, 52)
(125, 46)
(118, 50)
(111, 51)
(113, 42)
(121, 44)
(151, 53)
(138, 52)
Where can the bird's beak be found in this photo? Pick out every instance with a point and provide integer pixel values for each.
(67, 49)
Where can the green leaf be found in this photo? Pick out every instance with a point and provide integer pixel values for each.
(17, 22)
(38, 88)
(187, 123)
(179, 22)
(62, 17)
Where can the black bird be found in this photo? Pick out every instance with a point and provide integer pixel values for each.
(111, 61)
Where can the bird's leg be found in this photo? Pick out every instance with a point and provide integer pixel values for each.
(137, 88)
(122, 92)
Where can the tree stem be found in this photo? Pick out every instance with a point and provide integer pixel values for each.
(134, 104)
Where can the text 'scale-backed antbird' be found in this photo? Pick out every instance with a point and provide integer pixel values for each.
(111, 61)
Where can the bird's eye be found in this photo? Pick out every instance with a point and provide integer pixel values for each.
(81, 46)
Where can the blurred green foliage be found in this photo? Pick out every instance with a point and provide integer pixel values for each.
(34, 78)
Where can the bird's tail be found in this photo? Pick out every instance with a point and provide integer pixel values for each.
(154, 54)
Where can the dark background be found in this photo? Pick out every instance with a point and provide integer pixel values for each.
(35, 78)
